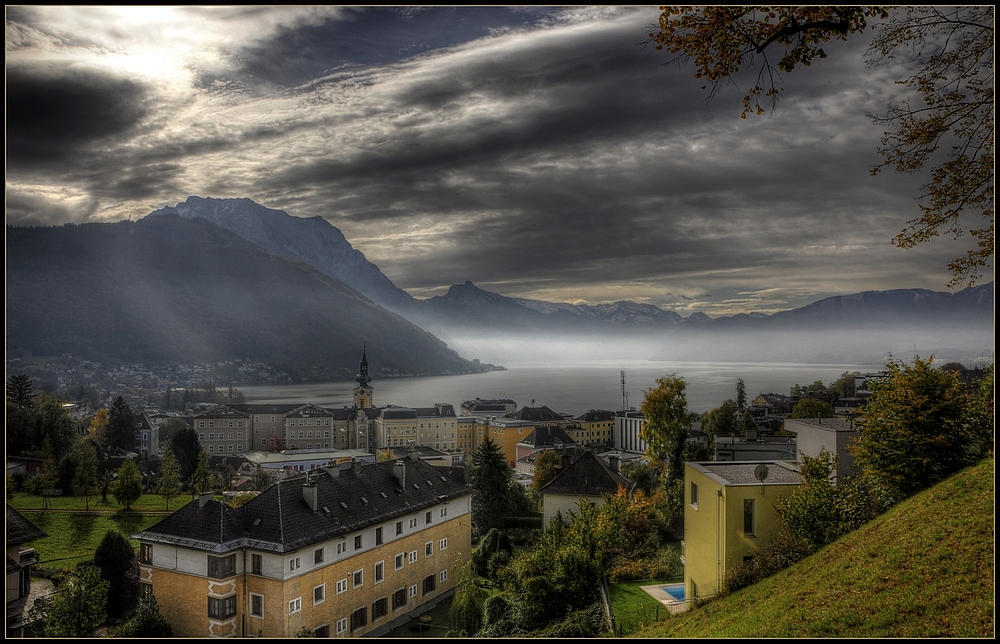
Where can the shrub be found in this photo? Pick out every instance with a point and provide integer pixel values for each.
(784, 550)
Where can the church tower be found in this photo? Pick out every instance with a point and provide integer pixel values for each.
(362, 390)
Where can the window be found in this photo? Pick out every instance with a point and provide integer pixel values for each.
(359, 618)
(413, 556)
(359, 577)
(211, 423)
(257, 564)
(221, 608)
(399, 598)
(427, 517)
(380, 608)
(146, 553)
(256, 605)
(294, 564)
(146, 591)
(230, 424)
(413, 590)
(694, 494)
(318, 556)
(444, 512)
(357, 542)
(201, 436)
(443, 544)
(295, 605)
(413, 522)
(444, 576)
(379, 575)
(399, 527)
(341, 548)
(748, 518)
(428, 548)
(429, 584)
(342, 586)
(341, 625)
(221, 567)
(399, 560)
(211, 437)
(378, 536)
(319, 594)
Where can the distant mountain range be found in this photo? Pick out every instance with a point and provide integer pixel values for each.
(166, 289)
(211, 279)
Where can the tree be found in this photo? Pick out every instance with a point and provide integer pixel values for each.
(128, 486)
(843, 387)
(466, 612)
(52, 421)
(667, 424)
(747, 423)
(49, 476)
(201, 475)
(147, 621)
(185, 446)
(547, 466)
(914, 431)
(121, 425)
(85, 474)
(169, 484)
(116, 560)
(98, 428)
(812, 408)
(172, 428)
(223, 476)
(261, 479)
(741, 395)
(949, 56)
(722, 420)
(78, 608)
(810, 511)
(491, 480)
(19, 390)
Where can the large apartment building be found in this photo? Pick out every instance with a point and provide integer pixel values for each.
(350, 551)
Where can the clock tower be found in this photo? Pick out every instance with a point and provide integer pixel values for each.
(362, 390)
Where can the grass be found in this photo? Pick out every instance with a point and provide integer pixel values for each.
(73, 537)
(634, 608)
(146, 503)
(439, 623)
(923, 569)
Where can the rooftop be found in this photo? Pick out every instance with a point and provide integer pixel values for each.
(742, 472)
(829, 424)
(588, 475)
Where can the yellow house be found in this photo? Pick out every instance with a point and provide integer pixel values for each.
(346, 552)
(729, 516)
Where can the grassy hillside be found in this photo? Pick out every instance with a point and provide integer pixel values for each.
(924, 569)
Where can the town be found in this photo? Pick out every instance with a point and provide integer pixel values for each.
(292, 506)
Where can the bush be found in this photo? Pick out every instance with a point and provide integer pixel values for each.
(782, 552)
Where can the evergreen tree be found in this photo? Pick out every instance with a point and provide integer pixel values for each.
(85, 474)
(19, 390)
(147, 621)
(741, 395)
(121, 425)
(128, 486)
(201, 476)
(116, 560)
(747, 424)
(491, 481)
(185, 446)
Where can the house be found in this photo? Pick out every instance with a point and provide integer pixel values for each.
(813, 435)
(628, 427)
(588, 478)
(774, 404)
(349, 551)
(729, 516)
(147, 437)
(505, 432)
(21, 596)
(594, 427)
(568, 453)
(755, 447)
(542, 438)
(495, 407)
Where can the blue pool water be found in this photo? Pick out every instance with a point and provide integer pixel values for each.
(674, 590)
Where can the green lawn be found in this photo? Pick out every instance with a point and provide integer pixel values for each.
(634, 608)
(73, 537)
(146, 503)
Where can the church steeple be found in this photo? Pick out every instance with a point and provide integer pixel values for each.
(362, 390)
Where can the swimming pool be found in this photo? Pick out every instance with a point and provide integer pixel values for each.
(676, 591)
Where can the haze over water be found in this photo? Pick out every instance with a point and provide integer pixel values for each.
(574, 387)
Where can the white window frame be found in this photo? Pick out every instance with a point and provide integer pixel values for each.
(342, 586)
(253, 614)
(379, 572)
(443, 544)
(399, 560)
(295, 605)
(413, 590)
(413, 556)
(322, 589)
(359, 573)
(429, 549)
(341, 625)
(444, 576)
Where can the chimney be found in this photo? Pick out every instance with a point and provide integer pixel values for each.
(412, 454)
(203, 499)
(614, 462)
(356, 465)
(399, 471)
(310, 493)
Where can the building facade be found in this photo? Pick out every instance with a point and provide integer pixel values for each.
(350, 551)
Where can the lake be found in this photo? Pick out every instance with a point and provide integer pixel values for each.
(573, 387)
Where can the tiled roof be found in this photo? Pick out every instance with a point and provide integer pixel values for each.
(536, 413)
(742, 473)
(548, 436)
(588, 475)
(395, 413)
(224, 411)
(276, 409)
(279, 519)
(307, 411)
(595, 415)
(19, 529)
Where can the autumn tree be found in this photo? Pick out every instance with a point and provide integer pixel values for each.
(843, 387)
(812, 408)
(722, 420)
(128, 485)
(915, 428)
(947, 55)
(547, 466)
(666, 424)
(169, 484)
(98, 427)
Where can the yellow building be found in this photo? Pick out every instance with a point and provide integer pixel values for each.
(593, 428)
(729, 516)
(349, 551)
(505, 432)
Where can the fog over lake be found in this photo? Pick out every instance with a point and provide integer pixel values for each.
(568, 387)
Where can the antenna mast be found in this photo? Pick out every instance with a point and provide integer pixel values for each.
(624, 396)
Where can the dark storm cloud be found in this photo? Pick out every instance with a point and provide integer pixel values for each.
(53, 114)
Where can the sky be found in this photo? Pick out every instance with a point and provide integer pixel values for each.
(544, 153)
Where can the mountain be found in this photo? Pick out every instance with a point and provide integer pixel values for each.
(167, 289)
(313, 241)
